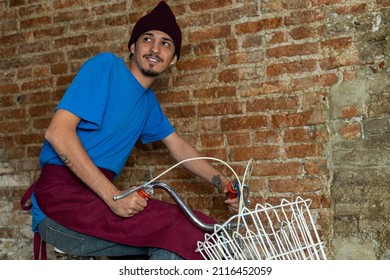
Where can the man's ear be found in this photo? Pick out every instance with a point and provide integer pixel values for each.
(132, 48)
(174, 60)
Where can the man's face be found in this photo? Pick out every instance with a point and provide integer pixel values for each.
(153, 52)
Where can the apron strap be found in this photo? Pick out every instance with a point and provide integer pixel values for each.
(40, 252)
(27, 195)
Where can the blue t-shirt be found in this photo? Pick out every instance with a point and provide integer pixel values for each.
(115, 111)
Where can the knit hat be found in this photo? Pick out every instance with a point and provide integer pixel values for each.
(160, 18)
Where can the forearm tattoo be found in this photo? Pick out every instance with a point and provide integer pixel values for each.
(68, 163)
(217, 182)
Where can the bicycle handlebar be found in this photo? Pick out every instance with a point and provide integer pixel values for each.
(146, 191)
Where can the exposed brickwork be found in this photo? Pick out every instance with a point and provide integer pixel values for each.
(281, 81)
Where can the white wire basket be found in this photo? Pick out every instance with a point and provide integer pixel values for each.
(283, 232)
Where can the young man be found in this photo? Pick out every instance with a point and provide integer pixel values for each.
(105, 110)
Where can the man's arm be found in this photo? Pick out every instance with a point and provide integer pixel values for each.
(181, 150)
(61, 134)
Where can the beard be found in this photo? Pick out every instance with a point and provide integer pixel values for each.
(150, 73)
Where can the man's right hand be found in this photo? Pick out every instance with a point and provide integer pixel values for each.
(128, 206)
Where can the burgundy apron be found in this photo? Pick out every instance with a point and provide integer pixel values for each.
(69, 202)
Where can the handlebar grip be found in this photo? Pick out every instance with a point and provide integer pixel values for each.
(232, 191)
(143, 193)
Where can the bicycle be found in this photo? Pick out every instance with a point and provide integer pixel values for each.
(283, 232)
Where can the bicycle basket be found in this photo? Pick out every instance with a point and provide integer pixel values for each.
(283, 232)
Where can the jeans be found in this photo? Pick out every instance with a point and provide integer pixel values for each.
(78, 244)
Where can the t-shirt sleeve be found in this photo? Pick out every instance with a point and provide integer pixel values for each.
(87, 94)
(157, 125)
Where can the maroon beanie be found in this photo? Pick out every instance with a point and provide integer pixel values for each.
(160, 18)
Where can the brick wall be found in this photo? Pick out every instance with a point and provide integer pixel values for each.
(299, 86)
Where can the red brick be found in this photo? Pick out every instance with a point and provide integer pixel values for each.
(244, 57)
(298, 185)
(384, 3)
(71, 15)
(277, 37)
(15, 3)
(60, 4)
(117, 21)
(219, 153)
(54, 57)
(212, 140)
(196, 20)
(265, 88)
(304, 150)
(7, 126)
(180, 111)
(34, 151)
(238, 139)
(39, 97)
(268, 136)
(35, 22)
(231, 75)
(202, 6)
(293, 50)
(314, 81)
(41, 110)
(9, 89)
(337, 43)
(300, 17)
(6, 101)
(351, 111)
(293, 67)
(37, 84)
(316, 167)
(248, 122)
(220, 109)
(36, 9)
(204, 48)
(173, 97)
(301, 32)
(229, 15)
(215, 92)
(257, 26)
(109, 8)
(59, 68)
(265, 104)
(49, 33)
(198, 63)
(210, 33)
(317, 3)
(64, 80)
(349, 59)
(12, 114)
(318, 134)
(296, 135)
(255, 152)
(252, 42)
(8, 51)
(191, 79)
(352, 10)
(351, 131)
(26, 139)
(295, 119)
(11, 39)
(42, 123)
(277, 169)
(70, 41)
(41, 71)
